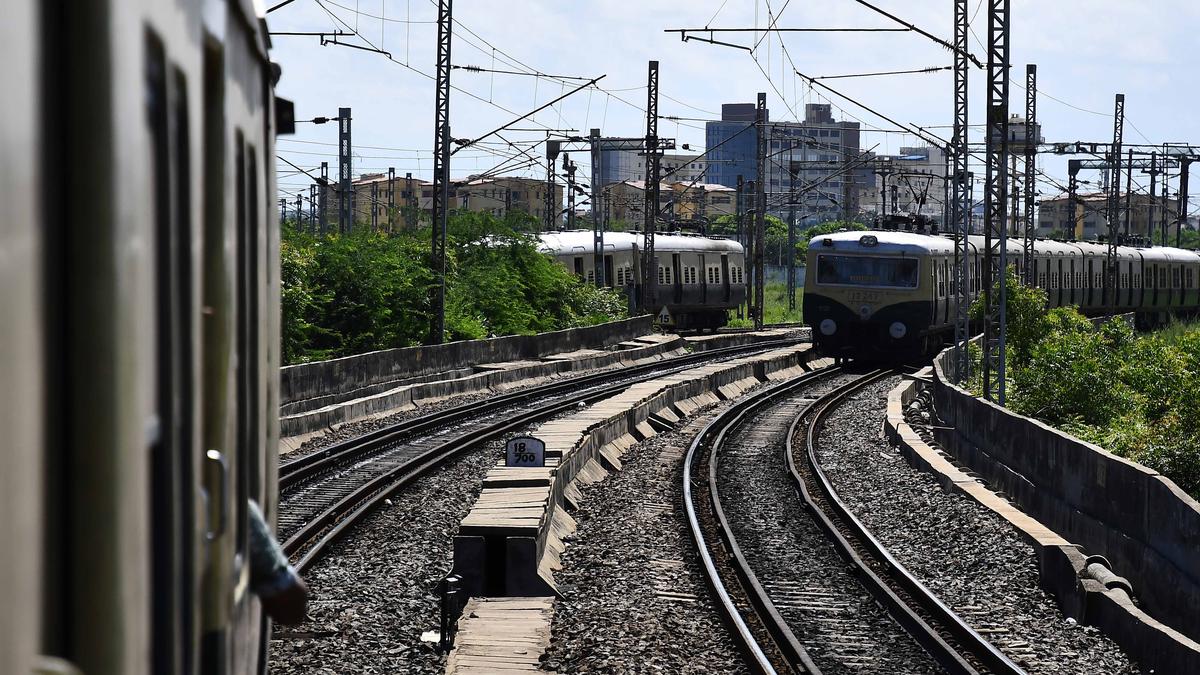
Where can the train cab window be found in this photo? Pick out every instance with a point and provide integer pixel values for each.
(867, 271)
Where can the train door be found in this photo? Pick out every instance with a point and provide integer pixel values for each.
(703, 280)
(725, 294)
(1091, 282)
(608, 271)
(946, 287)
(676, 280)
(579, 266)
(1071, 276)
(173, 455)
(1058, 282)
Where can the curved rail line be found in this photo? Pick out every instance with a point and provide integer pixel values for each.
(350, 499)
(949, 640)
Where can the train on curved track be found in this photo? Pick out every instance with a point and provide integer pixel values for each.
(140, 275)
(699, 278)
(887, 293)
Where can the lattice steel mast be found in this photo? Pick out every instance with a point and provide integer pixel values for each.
(345, 168)
(1031, 143)
(995, 197)
(598, 221)
(960, 207)
(760, 209)
(650, 215)
(441, 177)
(1113, 212)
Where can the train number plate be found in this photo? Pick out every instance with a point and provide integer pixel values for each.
(525, 451)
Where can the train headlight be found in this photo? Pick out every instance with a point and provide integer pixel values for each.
(828, 327)
(897, 330)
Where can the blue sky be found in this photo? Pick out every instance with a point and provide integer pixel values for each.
(1086, 51)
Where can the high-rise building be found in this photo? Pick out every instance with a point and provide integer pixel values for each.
(822, 152)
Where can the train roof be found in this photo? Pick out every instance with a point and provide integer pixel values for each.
(912, 242)
(880, 241)
(581, 241)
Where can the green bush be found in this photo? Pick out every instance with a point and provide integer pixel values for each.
(1136, 396)
(362, 291)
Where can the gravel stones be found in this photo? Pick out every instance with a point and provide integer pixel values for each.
(833, 616)
(633, 598)
(968, 556)
(372, 595)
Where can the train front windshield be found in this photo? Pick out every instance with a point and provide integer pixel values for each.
(847, 270)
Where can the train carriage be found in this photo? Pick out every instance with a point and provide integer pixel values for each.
(699, 279)
(890, 293)
(139, 256)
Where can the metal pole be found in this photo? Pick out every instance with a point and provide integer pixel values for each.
(1128, 192)
(1031, 143)
(410, 202)
(760, 210)
(374, 206)
(569, 168)
(1113, 212)
(312, 207)
(550, 204)
(995, 202)
(1073, 202)
(1184, 164)
(323, 198)
(1153, 196)
(791, 237)
(391, 192)
(441, 176)
(598, 223)
(960, 207)
(649, 264)
(345, 171)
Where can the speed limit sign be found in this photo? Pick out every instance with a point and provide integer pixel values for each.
(525, 451)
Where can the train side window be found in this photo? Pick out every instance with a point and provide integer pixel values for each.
(1162, 277)
(1175, 277)
(171, 474)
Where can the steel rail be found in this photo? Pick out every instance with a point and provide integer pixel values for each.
(354, 449)
(315, 536)
(906, 598)
(711, 437)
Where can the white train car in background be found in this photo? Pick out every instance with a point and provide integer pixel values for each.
(699, 278)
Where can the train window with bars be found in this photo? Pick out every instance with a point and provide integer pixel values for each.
(1162, 277)
(1124, 280)
(620, 276)
(1041, 280)
(941, 280)
(591, 276)
(1189, 278)
(714, 274)
(1174, 277)
(1137, 281)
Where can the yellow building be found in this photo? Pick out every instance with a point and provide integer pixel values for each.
(684, 203)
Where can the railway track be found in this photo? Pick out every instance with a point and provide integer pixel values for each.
(795, 574)
(325, 493)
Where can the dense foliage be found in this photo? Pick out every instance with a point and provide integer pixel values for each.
(352, 293)
(1137, 396)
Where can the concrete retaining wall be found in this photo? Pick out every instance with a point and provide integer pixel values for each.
(339, 376)
(1143, 523)
(1086, 592)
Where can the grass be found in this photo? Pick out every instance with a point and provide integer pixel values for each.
(1176, 329)
(775, 307)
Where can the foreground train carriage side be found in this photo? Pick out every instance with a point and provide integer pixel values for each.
(140, 361)
(699, 279)
(893, 294)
